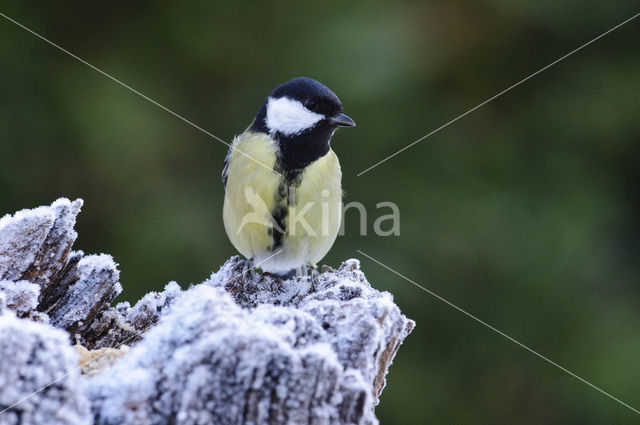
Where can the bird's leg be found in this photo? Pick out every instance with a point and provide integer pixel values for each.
(291, 274)
(249, 264)
(313, 278)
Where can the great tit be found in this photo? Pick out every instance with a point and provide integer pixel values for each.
(283, 189)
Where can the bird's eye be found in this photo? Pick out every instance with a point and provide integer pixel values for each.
(310, 104)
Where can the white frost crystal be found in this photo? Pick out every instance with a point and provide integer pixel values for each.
(94, 281)
(35, 355)
(34, 243)
(20, 296)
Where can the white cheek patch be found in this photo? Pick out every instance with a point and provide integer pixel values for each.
(289, 117)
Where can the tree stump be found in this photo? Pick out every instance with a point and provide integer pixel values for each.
(239, 348)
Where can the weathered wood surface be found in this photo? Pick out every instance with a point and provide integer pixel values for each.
(239, 348)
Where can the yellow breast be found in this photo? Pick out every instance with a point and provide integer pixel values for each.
(254, 193)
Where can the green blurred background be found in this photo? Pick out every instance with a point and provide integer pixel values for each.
(525, 213)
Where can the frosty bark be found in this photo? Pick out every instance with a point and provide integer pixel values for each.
(34, 355)
(239, 348)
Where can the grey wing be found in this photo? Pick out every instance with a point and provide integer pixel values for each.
(225, 168)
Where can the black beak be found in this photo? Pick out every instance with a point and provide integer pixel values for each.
(341, 120)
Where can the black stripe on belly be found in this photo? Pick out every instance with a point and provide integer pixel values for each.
(279, 214)
(284, 198)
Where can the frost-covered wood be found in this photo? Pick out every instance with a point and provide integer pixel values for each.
(311, 350)
(240, 348)
(35, 248)
(363, 326)
(34, 243)
(32, 356)
(20, 296)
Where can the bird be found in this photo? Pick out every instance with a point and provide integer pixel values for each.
(283, 182)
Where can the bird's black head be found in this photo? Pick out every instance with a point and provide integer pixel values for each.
(301, 115)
